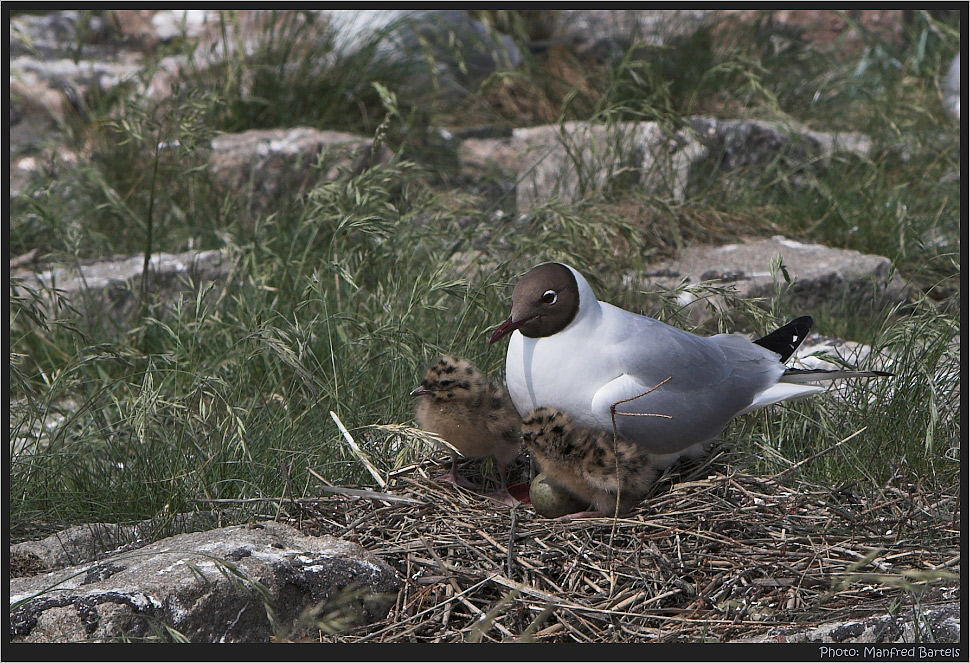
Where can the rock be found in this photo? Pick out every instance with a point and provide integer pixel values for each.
(29, 433)
(819, 275)
(216, 586)
(464, 51)
(830, 354)
(609, 32)
(74, 78)
(738, 143)
(572, 160)
(932, 625)
(951, 88)
(85, 543)
(826, 353)
(265, 164)
(136, 27)
(173, 23)
(650, 157)
(38, 102)
(49, 34)
(483, 156)
(111, 287)
(59, 58)
(488, 167)
(70, 52)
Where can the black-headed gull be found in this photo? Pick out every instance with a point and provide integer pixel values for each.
(458, 403)
(610, 476)
(670, 390)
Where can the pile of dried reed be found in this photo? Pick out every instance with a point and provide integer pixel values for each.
(713, 554)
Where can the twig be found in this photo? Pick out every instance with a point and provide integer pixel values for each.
(369, 494)
(423, 435)
(357, 450)
(367, 516)
(255, 500)
(287, 484)
(549, 599)
(613, 411)
(509, 554)
(814, 456)
(309, 500)
(616, 457)
(458, 591)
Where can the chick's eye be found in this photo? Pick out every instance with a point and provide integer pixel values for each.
(549, 297)
(446, 383)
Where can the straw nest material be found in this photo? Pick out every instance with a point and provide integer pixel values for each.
(713, 554)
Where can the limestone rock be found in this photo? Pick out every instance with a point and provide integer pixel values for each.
(460, 50)
(111, 287)
(216, 586)
(85, 543)
(68, 52)
(737, 143)
(951, 88)
(830, 354)
(268, 163)
(608, 32)
(931, 625)
(819, 274)
(572, 160)
(483, 156)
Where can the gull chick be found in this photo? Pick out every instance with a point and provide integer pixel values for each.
(587, 463)
(458, 403)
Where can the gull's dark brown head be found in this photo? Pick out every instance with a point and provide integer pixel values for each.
(451, 378)
(544, 302)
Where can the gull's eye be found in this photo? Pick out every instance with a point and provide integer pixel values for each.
(446, 383)
(549, 297)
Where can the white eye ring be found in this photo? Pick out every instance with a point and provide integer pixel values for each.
(550, 293)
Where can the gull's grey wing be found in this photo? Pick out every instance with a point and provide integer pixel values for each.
(708, 382)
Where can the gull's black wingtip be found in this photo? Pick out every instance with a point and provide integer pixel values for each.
(786, 339)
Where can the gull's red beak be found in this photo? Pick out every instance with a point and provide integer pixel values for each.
(506, 327)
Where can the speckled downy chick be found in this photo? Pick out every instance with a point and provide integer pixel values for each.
(586, 463)
(458, 403)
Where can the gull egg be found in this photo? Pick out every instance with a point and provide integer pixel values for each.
(552, 500)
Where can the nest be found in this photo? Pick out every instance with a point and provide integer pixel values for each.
(713, 554)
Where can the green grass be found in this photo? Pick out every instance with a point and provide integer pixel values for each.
(344, 294)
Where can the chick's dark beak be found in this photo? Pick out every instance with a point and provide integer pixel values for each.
(420, 390)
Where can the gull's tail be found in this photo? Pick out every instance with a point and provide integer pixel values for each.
(799, 383)
(805, 375)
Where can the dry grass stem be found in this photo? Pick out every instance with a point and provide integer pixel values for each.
(358, 451)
